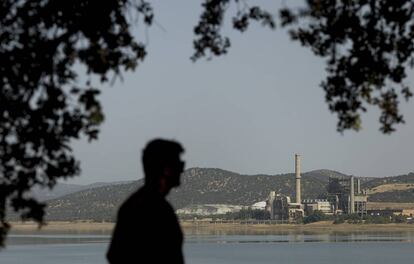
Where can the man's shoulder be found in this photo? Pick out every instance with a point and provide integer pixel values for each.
(141, 199)
(136, 199)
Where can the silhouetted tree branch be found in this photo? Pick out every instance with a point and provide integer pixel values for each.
(43, 107)
(368, 45)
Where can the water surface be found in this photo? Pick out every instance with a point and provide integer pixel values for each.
(370, 248)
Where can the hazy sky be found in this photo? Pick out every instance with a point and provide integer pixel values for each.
(248, 112)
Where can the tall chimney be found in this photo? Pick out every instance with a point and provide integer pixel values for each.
(297, 172)
(352, 196)
(358, 186)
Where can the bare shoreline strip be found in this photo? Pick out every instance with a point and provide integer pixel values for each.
(203, 227)
(62, 226)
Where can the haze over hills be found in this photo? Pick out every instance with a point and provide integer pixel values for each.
(62, 189)
(324, 175)
(216, 186)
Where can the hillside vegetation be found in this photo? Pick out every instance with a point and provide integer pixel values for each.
(391, 187)
(99, 204)
(405, 196)
(216, 186)
(407, 178)
(397, 189)
(198, 186)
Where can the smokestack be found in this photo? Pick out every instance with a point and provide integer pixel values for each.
(358, 186)
(297, 172)
(352, 196)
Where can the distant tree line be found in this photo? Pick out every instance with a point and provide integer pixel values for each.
(369, 219)
(248, 213)
(317, 216)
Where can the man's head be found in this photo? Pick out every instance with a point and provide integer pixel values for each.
(162, 164)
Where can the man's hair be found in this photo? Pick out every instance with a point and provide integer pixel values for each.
(157, 154)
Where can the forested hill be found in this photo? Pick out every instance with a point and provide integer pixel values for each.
(98, 204)
(392, 189)
(202, 186)
(62, 189)
(211, 186)
(401, 179)
(199, 186)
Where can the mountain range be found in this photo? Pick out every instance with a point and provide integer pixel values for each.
(61, 189)
(217, 186)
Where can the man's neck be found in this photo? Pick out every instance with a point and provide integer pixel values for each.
(158, 188)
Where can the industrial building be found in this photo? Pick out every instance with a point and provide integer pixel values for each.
(344, 197)
(323, 205)
(280, 206)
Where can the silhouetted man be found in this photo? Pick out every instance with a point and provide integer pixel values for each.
(147, 229)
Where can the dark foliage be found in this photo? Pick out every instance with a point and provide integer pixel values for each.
(316, 216)
(247, 214)
(380, 220)
(339, 219)
(404, 196)
(355, 218)
(399, 219)
(42, 105)
(368, 45)
(369, 219)
(209, 41)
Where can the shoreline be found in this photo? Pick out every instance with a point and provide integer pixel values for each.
(317, 227)
(205, 227)
(64, 226)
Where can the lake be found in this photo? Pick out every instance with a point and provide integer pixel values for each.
(48, 248)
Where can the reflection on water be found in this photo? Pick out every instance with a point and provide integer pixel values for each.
(44, 236)
(222, 248)
(37, 239)
(218, 236)
(300, 238)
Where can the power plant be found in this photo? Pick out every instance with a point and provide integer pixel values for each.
(341, 199)
(280, 206)
(344, 198)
